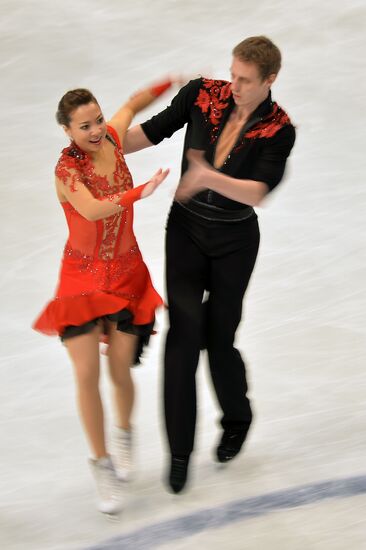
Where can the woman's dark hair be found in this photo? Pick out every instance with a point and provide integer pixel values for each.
(71, 101)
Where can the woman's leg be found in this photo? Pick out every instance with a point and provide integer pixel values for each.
(121, 353)
(84, 353)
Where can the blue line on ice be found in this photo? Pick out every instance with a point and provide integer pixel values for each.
(154, 535)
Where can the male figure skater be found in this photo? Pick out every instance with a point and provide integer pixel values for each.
(236, 145)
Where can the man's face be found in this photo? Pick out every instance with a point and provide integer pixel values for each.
(247, 86)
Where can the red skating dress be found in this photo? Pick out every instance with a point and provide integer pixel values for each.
(102, 272)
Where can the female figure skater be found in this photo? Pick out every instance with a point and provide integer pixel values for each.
(104, 288)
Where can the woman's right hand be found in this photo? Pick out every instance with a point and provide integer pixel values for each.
(154, 182)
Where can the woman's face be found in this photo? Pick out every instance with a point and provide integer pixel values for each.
(87, 127)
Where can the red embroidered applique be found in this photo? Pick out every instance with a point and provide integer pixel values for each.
(110, 271)
(122, 175)
(75, 160)
(270, 125)
(67, 163)
(111, 228)
(266, 128)
(212, 99)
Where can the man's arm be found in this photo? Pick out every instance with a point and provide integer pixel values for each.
(267, 173)
(135, 140)
(201, 175)
(164, 124)
(249, 192)
(139, 101)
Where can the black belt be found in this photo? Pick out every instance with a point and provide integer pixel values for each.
(215, 213)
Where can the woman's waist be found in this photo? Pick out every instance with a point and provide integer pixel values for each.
(101, 255)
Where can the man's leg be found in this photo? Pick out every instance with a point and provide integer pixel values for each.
(186, 273)
(229, 278)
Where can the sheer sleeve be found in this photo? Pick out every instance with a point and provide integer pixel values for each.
(90, 207)
(73, 189)
(139, 101)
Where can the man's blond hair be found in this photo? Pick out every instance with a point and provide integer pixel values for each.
(261, 51)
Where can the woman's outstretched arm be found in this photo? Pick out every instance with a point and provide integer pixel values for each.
(72, 190)
(139, 101)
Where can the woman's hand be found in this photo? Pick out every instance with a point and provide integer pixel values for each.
(194, 180)
(154, 182)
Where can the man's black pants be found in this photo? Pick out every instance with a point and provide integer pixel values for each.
(219, 257)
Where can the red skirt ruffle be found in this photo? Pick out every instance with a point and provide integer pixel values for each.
(100, 289)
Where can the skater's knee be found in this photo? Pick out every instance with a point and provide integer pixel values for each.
(87, 375)
(120, 377)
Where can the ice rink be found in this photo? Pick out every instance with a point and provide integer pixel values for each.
(301, 482)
